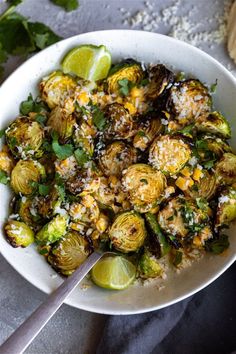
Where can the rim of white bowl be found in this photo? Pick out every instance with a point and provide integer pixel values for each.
(221, 67)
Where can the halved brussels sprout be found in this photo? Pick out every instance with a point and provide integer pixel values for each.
(25, 137)
(52, 231)
(148, 266)
(56, 88)
(214, 123)
(18, 234)
(61, 122)
(127, 233)
(216, 145)
(69, 253)
(83, 137)
(145, 186)
(6, 162)
(181, 217)
(169, 154)
(226, 209)
(86, 210)
(159, 78)
(105, 195)
(188, 100)
(25, 174)
(128, 69)
(147, 131)
(116, 157)
(204, 188)
(226, 169)
(120, 125)
(27, 211)
(48, 205)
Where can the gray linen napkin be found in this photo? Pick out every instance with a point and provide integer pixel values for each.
(202, 324)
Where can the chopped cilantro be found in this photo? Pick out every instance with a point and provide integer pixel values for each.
(3, 177)
(99, 119)
(2, 133)
(44, 189)
(125, 86)
(61, 151)
(40, 118)
(81, 156)
(141, 133)
(31, 105)
(68, 5)
(144, 82)
(60, 186)
(202, 203)
(43, 251)
(209, 164)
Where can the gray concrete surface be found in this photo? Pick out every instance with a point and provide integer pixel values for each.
(72, 330)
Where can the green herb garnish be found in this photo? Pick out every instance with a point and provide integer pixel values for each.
(178, 258)
(68, 5)
(218, 245)
(4, 179)
(81, 156)
(214, 86)
(61, 151)
(99, 119)
(125, 86)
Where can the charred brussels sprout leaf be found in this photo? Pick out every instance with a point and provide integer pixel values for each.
(129, 70)
(116, 157)
(218, 245)
(226, 209)
(25, 138)
(144, 185)
(226, 169)
(69, 253)
(155, 230)
(25, 176)
(214, 123)
(188, 100)
(148, 266)
(18, 234)
(159, 79)
(120, 123)
(61, 151)
(169, 154)
(52, 231)
(127, 233)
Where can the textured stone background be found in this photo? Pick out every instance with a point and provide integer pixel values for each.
(72, 330)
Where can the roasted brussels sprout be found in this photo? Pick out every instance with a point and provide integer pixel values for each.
(204, 188)
(86, 210)
(226, 209)
(25, 175)
(27, 211)
(52, 231)
(18, 234)
(148, 266)
(6, 162)
(159, 79)
(121, 124)
(215, 145)
(81, 183)
(169, 154)
(182, 218)
(147, 131)
(213, 123)
(25, 137)
(145, 186)
(188, 100)
(61, 122)
(104, 194)
(116, 157)
(127, 233)
(69, 253)
(226, 169)
(48, 205)
(128, 69)
(56, 89)
(83, 137)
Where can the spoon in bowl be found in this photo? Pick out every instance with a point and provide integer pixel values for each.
(29, 329)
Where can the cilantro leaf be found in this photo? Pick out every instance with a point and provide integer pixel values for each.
(40, 118)
(81, 156)
(68, 5)
(99, 119)
(178, 258)
(42, 35)
(44, 189)
(214, 87)
(209, 164)
(125, 86)
(60, 186)
(218, 245)
(2, 133)
(61, 151)
(31, 105)
(3, 177)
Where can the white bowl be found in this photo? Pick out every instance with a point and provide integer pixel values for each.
(146, 47)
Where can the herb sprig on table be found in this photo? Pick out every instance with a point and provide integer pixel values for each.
(19, 36)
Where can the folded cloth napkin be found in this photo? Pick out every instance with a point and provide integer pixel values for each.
(202, 324)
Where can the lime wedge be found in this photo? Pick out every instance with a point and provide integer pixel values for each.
(88, 62)
(114, 272)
